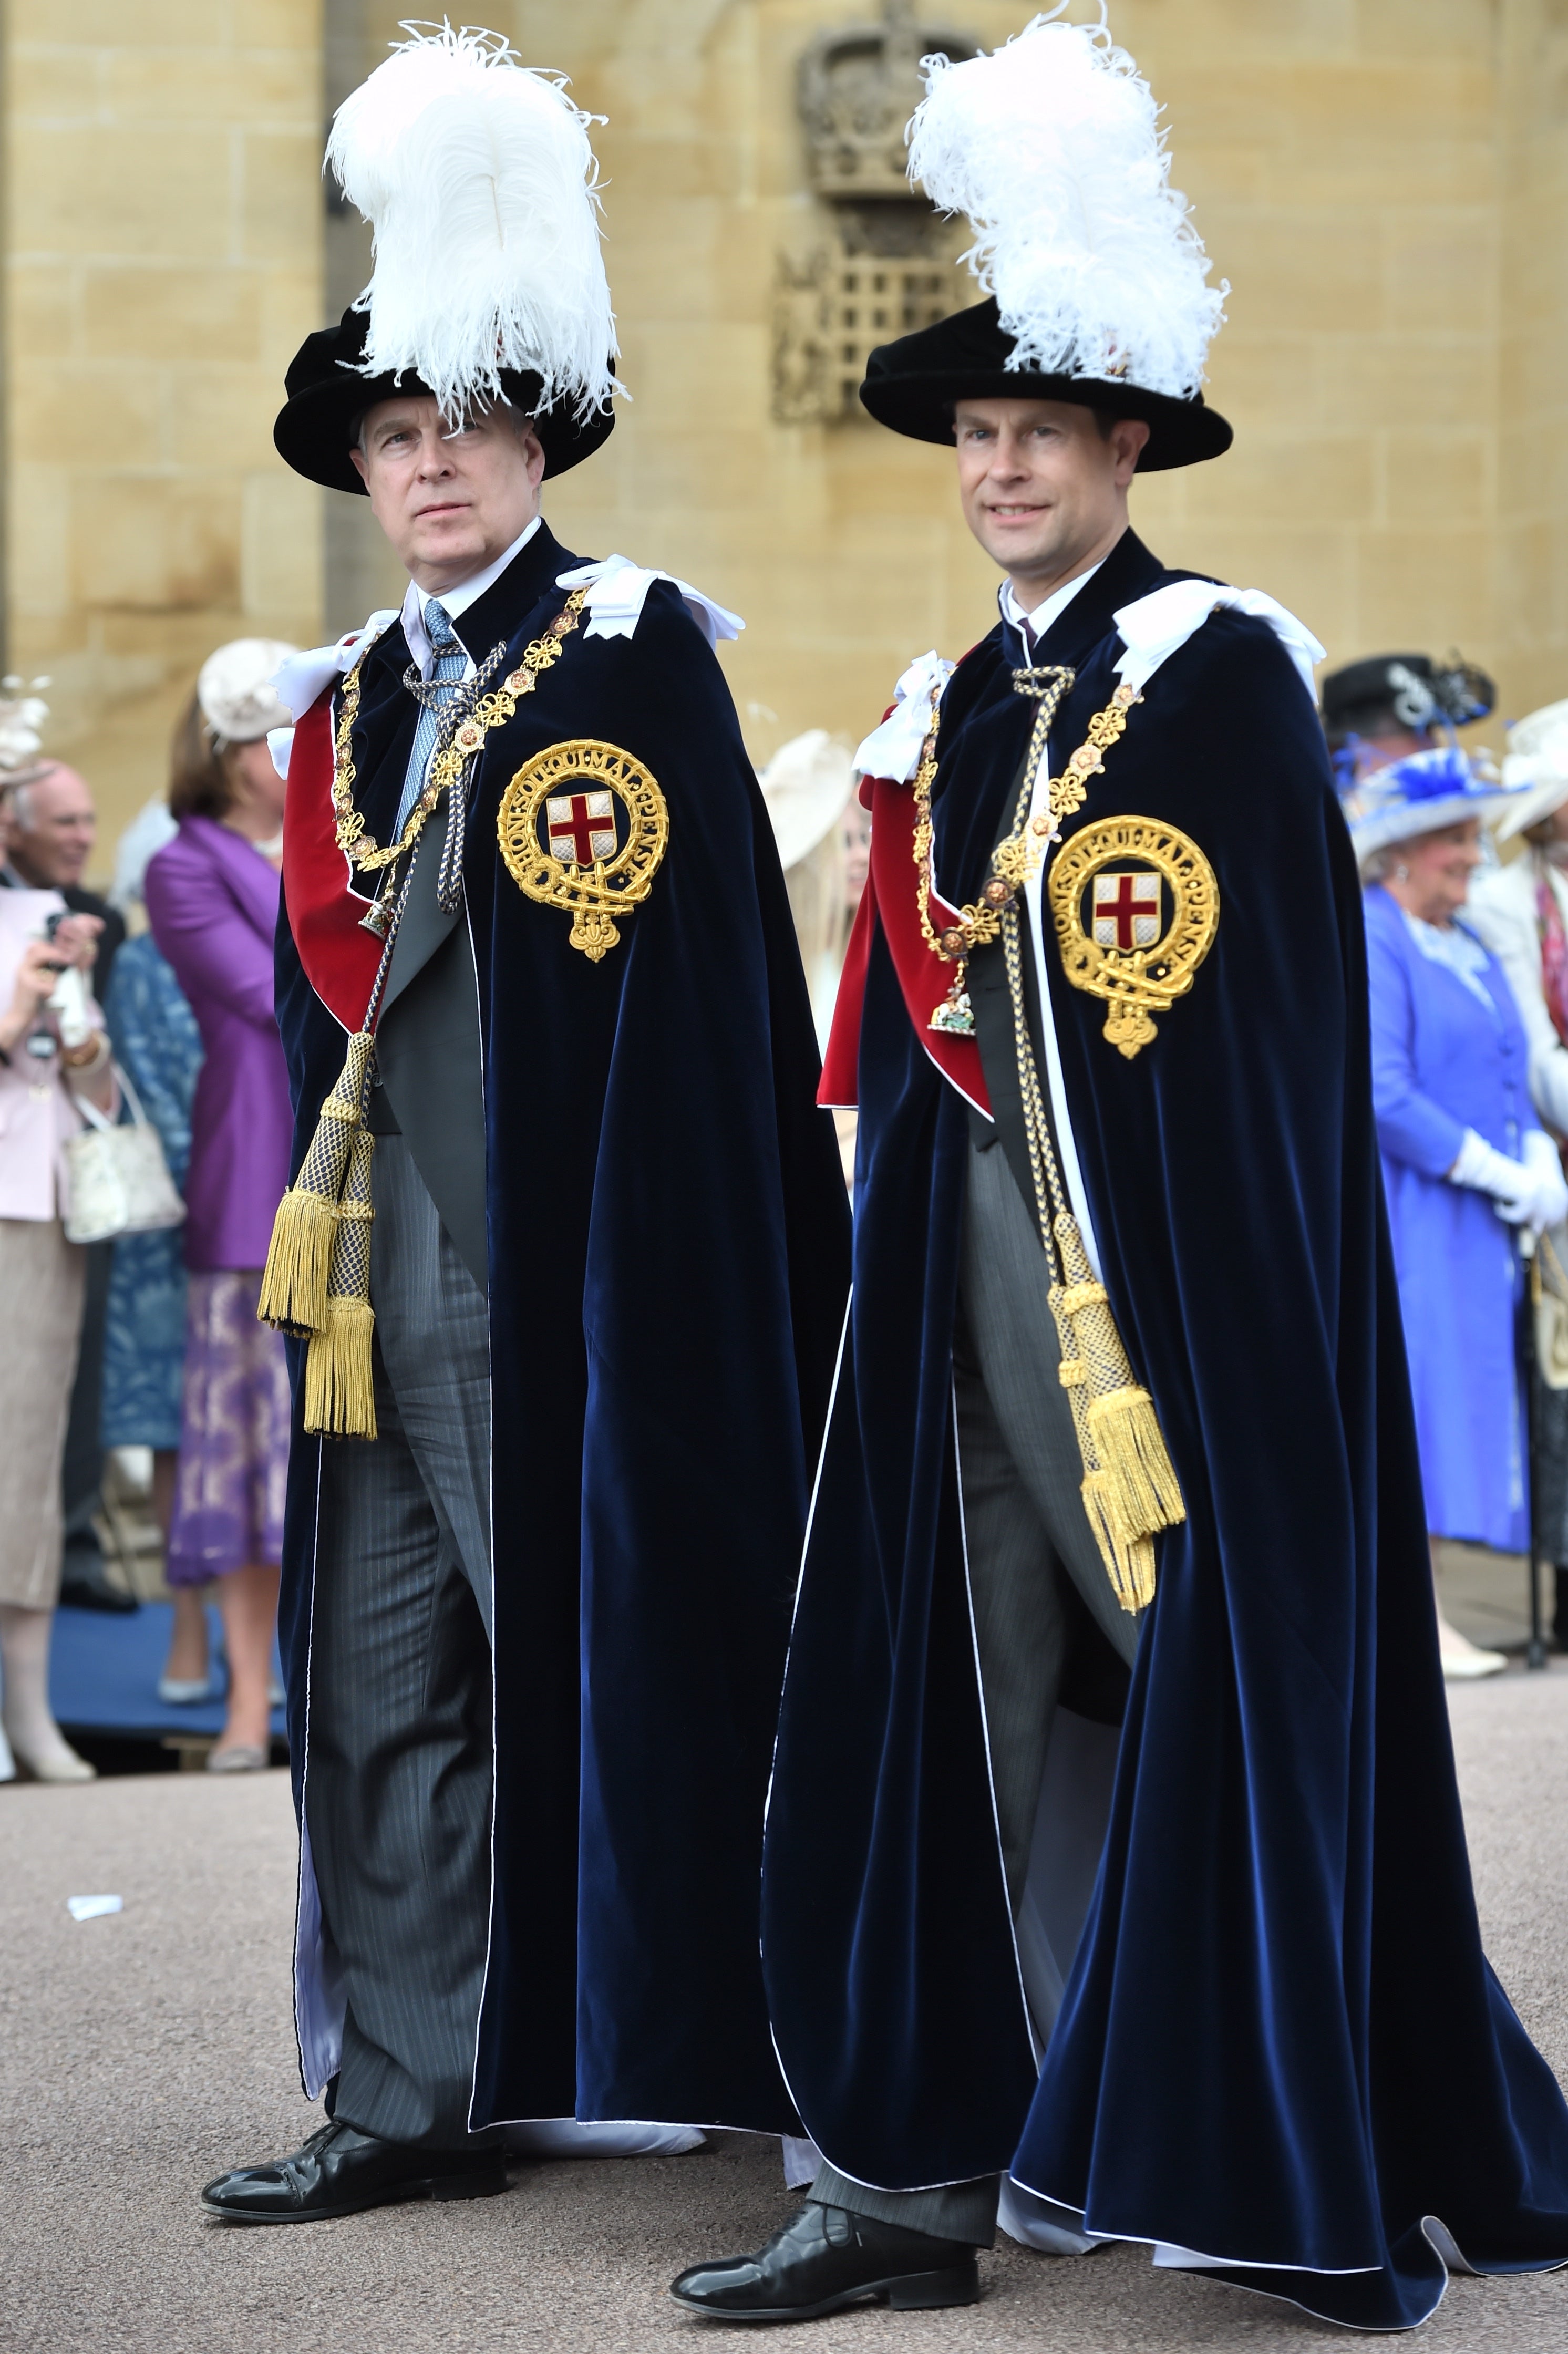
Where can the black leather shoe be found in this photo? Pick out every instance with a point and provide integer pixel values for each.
(84, 1581)
(340, 2171)
(828, 2258)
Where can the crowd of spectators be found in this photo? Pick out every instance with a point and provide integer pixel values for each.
(147, 1339)
(1468, 1095)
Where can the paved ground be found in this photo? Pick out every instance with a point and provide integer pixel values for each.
(143, 2052)
(1487, 1595)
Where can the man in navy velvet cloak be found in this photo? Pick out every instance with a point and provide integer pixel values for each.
(536, 1612)
(1219, 1989)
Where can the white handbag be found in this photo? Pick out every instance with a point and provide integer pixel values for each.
(117, 1178)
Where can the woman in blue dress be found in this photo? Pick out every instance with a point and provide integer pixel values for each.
(1467, 1166)
(157, 1045)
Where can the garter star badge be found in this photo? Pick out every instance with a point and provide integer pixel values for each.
(1136, 908)
(583, 827)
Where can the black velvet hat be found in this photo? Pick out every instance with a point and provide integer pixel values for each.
(1365, 697)
(315, 427)
(911, 386)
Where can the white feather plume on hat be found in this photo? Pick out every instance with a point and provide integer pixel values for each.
(479, 181)
(1052, 148)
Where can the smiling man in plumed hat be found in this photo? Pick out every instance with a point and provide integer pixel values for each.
(565, 1250)
(1122, 1389)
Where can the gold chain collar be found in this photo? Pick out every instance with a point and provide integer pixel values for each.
(361, 848)
(1017, 856)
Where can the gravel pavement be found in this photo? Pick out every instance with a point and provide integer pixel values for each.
(143, 2052)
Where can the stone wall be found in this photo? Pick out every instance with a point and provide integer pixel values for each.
(1384, 182)
(1346, 164)
(1531, 549)
(164, 260)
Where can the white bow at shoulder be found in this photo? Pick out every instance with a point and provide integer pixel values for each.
(617, 588)
(299, 681)
(893, 750)
(1154, 628)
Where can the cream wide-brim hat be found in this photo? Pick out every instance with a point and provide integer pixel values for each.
(235, 693)
(1537, 756)
(805, 785)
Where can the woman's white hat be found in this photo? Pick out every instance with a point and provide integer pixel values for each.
(805, 786)
(1535, 767)
(235, 693)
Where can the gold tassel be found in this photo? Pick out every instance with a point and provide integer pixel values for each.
(1132, 1448)
(296, 1281)
(1129, 1556)
(340, 1382)
(340, 1389)
(1130, 1490)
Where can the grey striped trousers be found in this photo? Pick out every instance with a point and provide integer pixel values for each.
(397, 1790)
(1026, 1535)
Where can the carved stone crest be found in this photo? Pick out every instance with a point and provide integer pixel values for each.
(884, 266)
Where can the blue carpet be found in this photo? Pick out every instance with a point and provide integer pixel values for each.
(104, 1671)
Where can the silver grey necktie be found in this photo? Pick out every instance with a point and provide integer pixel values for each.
(450, 662)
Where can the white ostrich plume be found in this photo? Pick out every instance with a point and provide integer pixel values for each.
(1052, 146)
(479, 182)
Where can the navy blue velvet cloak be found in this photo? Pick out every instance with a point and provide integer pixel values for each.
(668, 1240)
(1281, 2044)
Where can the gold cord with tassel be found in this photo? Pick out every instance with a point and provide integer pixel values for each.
(1130, 1491)
(298, 1257)
(340, 1387)
(316, 1283)
(1130, 1488)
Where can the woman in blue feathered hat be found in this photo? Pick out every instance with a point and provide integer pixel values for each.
(1467, 1166)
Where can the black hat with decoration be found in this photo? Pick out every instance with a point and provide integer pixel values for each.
(479, 182)
(1095, 277)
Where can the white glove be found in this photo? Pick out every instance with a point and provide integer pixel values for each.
(1544, 1161)
(1524, 1193)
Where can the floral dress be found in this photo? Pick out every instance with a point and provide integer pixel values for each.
(157, 1044)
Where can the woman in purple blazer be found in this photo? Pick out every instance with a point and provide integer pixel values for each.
(212, 904)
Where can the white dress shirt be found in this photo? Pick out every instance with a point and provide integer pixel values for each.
(1037, 622)
(455, 601)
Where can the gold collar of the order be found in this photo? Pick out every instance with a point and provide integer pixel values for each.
(493, 710)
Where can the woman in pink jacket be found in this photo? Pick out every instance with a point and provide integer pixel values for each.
(43, 1075)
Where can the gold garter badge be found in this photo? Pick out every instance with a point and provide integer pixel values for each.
(583, 827)
(1136, 907)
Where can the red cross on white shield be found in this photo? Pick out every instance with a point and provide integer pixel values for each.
(581, 827)
(1127, 908)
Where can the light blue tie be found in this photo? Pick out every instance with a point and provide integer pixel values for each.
(450, 662)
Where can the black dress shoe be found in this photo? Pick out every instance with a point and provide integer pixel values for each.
(828, 2258)
(84, 1582)
(341, 2172)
